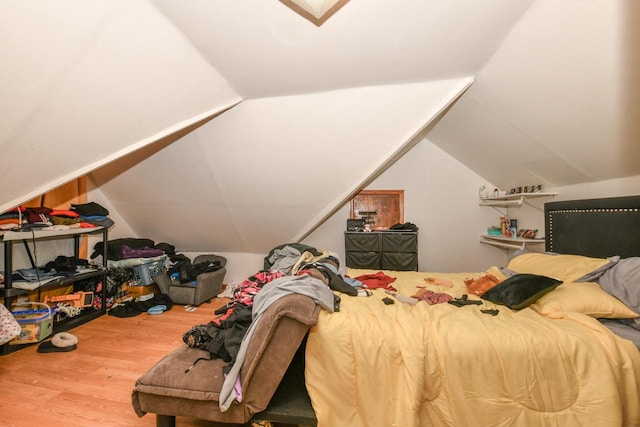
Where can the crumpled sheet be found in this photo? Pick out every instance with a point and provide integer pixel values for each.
(372, 364)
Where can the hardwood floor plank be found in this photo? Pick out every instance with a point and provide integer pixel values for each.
(92, 385)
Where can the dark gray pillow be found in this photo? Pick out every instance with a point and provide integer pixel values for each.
(623, 282)
(521, 290)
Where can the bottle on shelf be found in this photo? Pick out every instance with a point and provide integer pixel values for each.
(503, 225)
(513, 228)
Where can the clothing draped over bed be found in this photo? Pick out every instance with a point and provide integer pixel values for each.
(271, 292)
(419, 365)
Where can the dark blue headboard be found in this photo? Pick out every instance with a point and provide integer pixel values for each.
(594, 227)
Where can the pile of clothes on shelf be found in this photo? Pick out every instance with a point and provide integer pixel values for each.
(84, 215)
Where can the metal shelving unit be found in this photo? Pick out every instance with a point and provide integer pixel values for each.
(9, 292)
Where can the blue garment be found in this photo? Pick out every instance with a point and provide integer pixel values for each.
(32, 275)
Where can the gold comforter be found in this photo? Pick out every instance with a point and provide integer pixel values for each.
(372, 364)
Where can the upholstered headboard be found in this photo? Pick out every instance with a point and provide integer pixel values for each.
(594, 227)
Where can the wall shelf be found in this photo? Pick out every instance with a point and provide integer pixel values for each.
(510, 242)
(512, 199)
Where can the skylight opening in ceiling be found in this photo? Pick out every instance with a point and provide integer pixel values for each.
(316, 11)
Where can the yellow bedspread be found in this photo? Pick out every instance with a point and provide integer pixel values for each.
(372, 364)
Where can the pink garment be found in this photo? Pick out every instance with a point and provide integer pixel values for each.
(253, 284)
(432, 297)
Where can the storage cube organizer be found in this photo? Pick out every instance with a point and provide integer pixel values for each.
(386, 250)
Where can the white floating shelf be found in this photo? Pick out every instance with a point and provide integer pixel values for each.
(510, 242)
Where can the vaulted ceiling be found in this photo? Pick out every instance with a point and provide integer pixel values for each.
(240, 124)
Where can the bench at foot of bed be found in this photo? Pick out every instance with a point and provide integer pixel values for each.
(290, 404)
(168, 391)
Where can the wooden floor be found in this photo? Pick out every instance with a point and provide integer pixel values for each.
(91, 386)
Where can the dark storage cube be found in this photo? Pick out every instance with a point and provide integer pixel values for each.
(363, 260)
(382, 250)
(399, 261)
(399, 242)
(362, 242)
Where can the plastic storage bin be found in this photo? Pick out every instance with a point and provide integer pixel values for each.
(144, 273)
(36, 323)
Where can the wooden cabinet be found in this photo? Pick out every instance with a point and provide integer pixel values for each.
(382, 250)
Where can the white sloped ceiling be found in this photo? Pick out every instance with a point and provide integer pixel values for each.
(297, 116)
(270, 169)
(83, 84)
(558, 103)
(264, 49)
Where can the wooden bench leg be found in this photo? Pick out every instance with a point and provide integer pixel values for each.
(165, 420)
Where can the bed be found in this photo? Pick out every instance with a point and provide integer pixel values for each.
(558, 346)
(562, 355)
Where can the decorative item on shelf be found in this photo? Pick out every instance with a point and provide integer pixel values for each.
(527, 189)
(494, 231)
(484, 193)
(527, 234)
